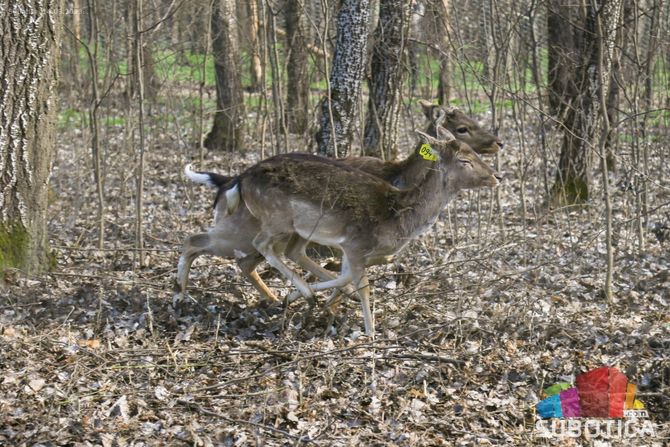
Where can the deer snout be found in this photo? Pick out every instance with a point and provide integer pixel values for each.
(497, 178)
(493, 148)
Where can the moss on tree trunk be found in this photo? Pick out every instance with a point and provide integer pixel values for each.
(569, 191)
(14, 246)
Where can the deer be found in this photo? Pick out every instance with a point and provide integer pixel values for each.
(464, 128)
(365, 217)
(232, 235)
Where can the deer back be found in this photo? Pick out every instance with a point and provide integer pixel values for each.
(334, 187)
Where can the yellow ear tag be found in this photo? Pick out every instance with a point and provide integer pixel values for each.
(427, 152)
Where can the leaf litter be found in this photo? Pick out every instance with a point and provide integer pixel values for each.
(473, 320)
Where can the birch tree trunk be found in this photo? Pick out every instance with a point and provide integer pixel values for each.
(339, 107)
(30, 33)
(228, 131)
(381, 124)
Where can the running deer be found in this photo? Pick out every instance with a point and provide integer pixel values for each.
(232, 235)
(464, 128)
(332, 204)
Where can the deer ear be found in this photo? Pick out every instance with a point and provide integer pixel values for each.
(427, 138)
(450, 110)
(428, 109)
(440, 117)
(444, 135)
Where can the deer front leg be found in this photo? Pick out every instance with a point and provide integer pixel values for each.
(264, 243)
(363, 289)
(359, 278)
(338, 282)
(295, 251)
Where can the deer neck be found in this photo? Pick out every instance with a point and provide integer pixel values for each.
(420, 205)
(411, 171)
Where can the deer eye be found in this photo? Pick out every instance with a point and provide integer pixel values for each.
(462, 130)
(465, 162)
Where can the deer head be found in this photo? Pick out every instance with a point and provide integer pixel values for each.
(461, 126)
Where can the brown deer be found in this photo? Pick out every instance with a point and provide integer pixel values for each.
(232, 234)
(368, 219)
(464, 128)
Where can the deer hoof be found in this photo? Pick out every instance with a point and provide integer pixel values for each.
(294, 296)
(177, 298)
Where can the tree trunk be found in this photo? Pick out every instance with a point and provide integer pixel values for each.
(28, 72)
(297, 33)
(339, 107)
(419, 33)
(576, 51)
(255, 68)
(228, 131)
(381, 124)
(486, 40)
(148, 66)
(561, 45)
(581, 105)
(441, 13)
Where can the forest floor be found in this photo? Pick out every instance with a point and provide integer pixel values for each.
(474, 320)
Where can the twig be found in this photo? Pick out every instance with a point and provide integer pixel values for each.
(425, 358)
(218, 415)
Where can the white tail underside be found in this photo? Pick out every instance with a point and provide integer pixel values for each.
(198, 177)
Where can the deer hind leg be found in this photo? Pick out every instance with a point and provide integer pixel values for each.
(264, 243)
(248, 266)
(194, 246)
(217, 244)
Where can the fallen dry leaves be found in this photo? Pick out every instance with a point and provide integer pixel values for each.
(473, 321)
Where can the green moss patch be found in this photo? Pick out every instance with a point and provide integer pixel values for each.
(14, 241)
(573, 191)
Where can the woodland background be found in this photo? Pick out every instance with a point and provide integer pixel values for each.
(561, 269)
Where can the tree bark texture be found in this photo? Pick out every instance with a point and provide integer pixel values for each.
(228, 130)
(580, 102)
(339, 107)
(386, 78)
(30, 32)
(255, 64)
(441, 14)
(562, 52)
(151, 82)
(297, 33)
